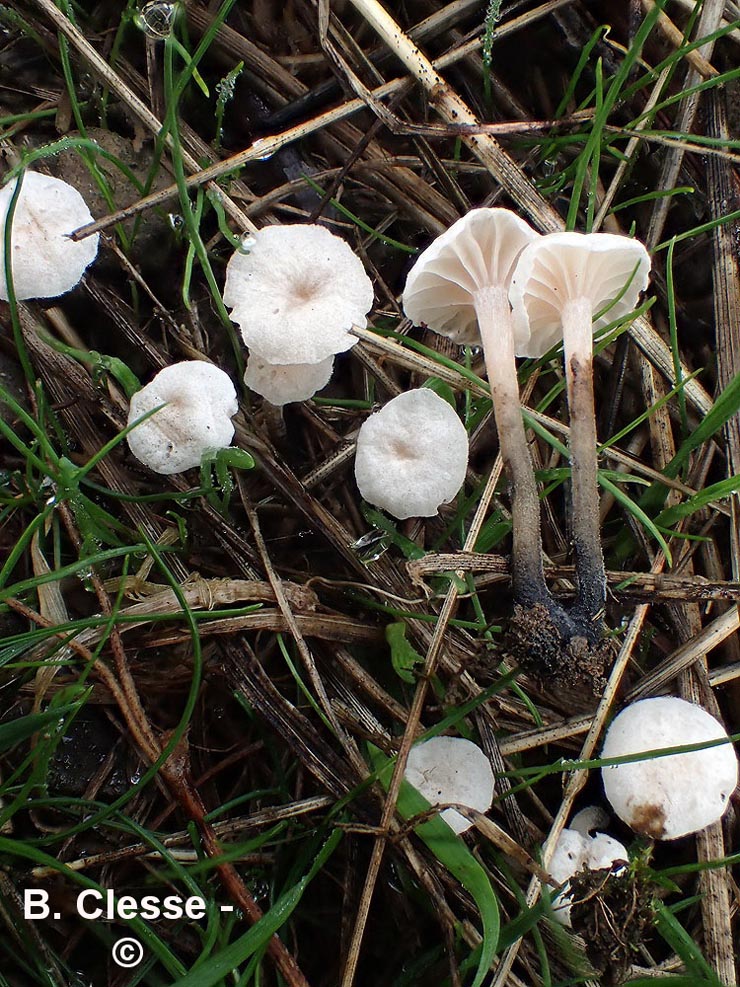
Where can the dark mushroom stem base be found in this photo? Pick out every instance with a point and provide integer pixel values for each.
(554, 651)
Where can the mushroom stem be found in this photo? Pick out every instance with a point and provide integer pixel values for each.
(590, 573)
(497, 334)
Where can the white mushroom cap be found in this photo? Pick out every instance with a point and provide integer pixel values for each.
(412, 455)
(284, 383)
(671, 796)
(296, 294)
(573, 852)
(200, 402)
(561, 267)
(478, 251)
(45, 262)
(451, 769)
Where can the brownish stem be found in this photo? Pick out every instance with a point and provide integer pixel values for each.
(497, 333)
(590, 573)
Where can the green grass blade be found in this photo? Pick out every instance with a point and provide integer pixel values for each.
(452, 852)
(219, 966)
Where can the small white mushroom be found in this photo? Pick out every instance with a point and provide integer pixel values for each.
(199, 402)
(671, 796)
(45, 262)
(561, 283)
(284, 383)
(412, 455)
(459, 287)
(296, 294)
(451, 769)
(573, 852)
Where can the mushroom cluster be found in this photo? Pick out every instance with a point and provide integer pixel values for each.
(579, 848)
(412, 455)
(295, 291)
(490, 278)
(45, 262)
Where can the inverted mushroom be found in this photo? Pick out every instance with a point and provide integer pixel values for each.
(673, 795)
(296, 293)
(412, 455)
(451, 769)
(45, 261)
(199, 402)
(284, 383)
(562, 282)
(459, 287)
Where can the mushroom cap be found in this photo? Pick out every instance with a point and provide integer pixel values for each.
(671, 796)
(200, 402)
(46, 263)
(573, 852)
(412, 455)
(560, 267)
(451, 769)
(284, 383)
(478, 251)
(296, 294)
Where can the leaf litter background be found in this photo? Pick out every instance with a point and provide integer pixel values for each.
(199, 687)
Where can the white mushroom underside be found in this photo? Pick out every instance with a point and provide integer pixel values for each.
(283, 384)
(45, 262)
(296, 294)
(199, 400)
(412, 455)
(477, 252)
(609, 271)
(668, 797)
(451, 769)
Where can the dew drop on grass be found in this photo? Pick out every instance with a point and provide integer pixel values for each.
(156, 18)
(261, 142)
(371, 546)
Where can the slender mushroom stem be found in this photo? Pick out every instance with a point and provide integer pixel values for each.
(497, 334)
(590, 572)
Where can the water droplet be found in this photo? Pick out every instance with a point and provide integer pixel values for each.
(225, 88)
(156, 19)
(549, 167)
(248, 243)
(262, 142)
(371, 546)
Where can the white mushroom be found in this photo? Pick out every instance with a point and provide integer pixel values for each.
(284, 383)
(573, 852)
(451, 769)
(459, 287)
(412, 455)
(561, 283)
(671, 796)
(199, 402)
(296, 294)
(45, 261)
